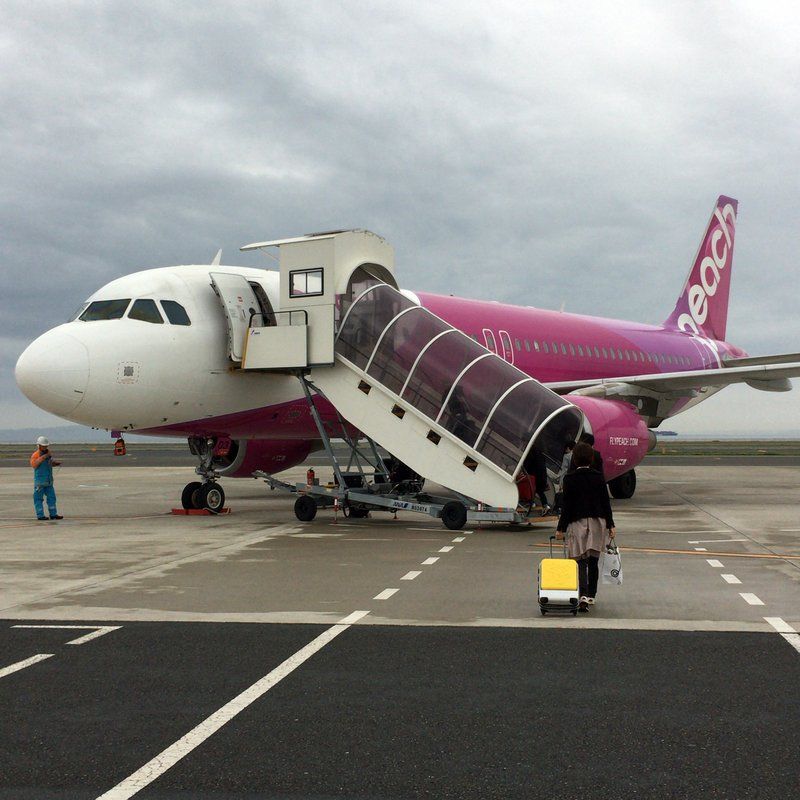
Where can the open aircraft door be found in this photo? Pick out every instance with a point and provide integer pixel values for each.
(240, 303)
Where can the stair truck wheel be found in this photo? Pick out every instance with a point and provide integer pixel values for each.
(187, 494)
(623, 487)
(454, 515)
(305, 509)
(211, 496)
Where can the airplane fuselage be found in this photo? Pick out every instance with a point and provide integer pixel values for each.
(177, 380)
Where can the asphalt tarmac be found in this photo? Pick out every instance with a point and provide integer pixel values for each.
(250, 655)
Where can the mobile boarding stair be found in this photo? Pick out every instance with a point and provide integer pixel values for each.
(453, 411)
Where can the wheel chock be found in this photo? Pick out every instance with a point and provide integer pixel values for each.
(198, 512)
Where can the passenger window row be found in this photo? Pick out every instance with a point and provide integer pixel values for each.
(144, 310)
(590, 351)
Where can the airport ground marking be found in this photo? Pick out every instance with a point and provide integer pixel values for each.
(712, 562)
(751, 599)
(428, 561)
(96, 631)
(728, 578)
(157, 766)
(385, 594)
(445, 549)
(786, 631)
(409, 576)
(28, 662)
(672, 530)
(661, 551)
(713, 541)
(459, 538)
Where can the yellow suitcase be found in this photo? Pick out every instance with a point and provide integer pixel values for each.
(558, 583)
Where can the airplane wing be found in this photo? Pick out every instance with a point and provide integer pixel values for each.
(768, 373)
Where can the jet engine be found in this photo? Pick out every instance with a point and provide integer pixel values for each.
(239, 458)
(621, 436)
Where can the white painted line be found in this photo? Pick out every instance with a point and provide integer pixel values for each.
(730, 578)
(711, 541)
(427, 530)
(789, 530)
(750, 598)
(156, 767)
(701, 549)
(96, 630)
(409, 576)
(428, 561)
(445, 549)
(467, 531)
(793, 639)
(653, 530)
(459, 538)
(780, 625)
(11, 668)
(712, 562)
(385, 594)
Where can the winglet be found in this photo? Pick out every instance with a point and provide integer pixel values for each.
(702, 307)
(217, 258)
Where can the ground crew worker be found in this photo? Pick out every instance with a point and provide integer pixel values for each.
(43, 463)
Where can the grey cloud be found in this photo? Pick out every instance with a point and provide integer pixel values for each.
(540, 154)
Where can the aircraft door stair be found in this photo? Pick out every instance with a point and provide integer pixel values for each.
(452, 410)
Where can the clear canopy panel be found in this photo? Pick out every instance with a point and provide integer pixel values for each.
(495, 409)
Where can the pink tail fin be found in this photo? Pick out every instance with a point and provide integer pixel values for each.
(702, 307)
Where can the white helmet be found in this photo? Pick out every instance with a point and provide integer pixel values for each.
(43, 441)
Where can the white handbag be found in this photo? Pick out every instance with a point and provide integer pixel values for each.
(611, 565)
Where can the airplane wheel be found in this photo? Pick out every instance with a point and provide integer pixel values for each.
(454, 515)
(358, 513)
(188, 493)
(211, 496)
(623, 487)
(305, 509)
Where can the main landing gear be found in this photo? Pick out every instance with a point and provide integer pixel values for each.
(206, 494)
(623, 487)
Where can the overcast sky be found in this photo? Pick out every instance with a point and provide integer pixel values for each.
(541, 153)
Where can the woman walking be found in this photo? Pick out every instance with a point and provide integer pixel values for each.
(586, 520)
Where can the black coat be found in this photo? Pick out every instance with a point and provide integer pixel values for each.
(585, 496)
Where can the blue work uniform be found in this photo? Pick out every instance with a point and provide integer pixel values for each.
(43, 483)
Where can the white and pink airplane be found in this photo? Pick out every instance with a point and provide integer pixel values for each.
(156, 352)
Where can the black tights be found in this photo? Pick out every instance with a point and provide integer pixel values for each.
(587, 575)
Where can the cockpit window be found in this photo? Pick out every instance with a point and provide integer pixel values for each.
(78, 311)
(146, 311)
(105, 309)
(175, 312)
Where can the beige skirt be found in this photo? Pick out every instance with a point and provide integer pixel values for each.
(586, 537)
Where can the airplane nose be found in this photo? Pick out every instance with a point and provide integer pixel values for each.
(53, 372)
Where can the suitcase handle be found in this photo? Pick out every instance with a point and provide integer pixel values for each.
(552, 539)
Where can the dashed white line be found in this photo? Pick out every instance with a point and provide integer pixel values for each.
(701, 549)
(445, 549)
(11, 668)
(712, 562)
(175, 752)
(385, 594)
(409, 576)
(428, 561)
(96, 630)
(459, 538)
(730, 578)
(750, 598)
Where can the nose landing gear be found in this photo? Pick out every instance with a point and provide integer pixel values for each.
(207, 494)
